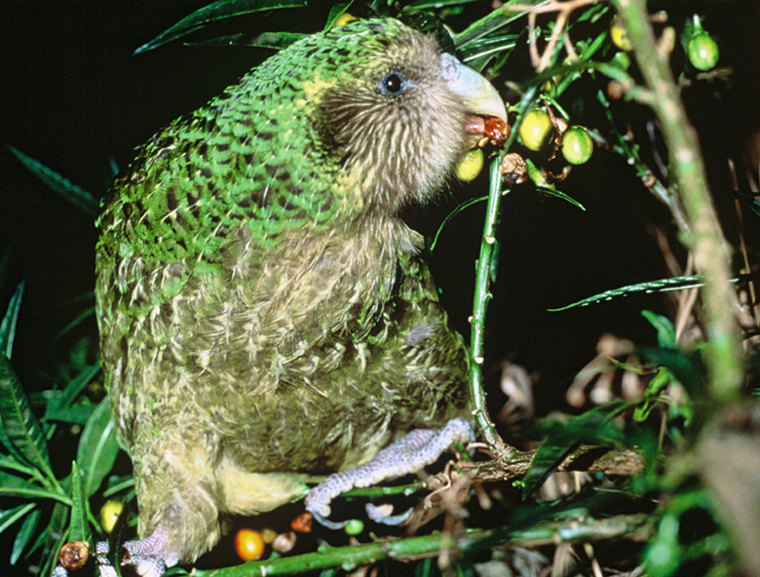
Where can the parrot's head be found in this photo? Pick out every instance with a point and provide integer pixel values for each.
(394, 110)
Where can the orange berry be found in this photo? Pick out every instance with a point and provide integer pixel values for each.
(302, 523)
(249, 545)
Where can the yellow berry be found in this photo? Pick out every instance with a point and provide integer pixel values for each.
(536, 129)
(268, 535)
(619, 37)
(470, 165)
(344, 19)
(109, 514)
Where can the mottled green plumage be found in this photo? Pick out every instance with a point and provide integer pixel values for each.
(263, 309)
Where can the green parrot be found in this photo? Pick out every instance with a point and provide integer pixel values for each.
(264, 310)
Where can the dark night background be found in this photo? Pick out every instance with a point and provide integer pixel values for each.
(75, 98)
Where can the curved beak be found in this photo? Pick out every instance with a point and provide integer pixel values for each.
(478, 95)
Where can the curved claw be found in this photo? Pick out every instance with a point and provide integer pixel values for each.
(332, 525)
(382, 514)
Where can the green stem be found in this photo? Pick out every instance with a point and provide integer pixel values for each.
(635, 527)
(484, 269)
(704, 238)
(499, 449)
(348, 558)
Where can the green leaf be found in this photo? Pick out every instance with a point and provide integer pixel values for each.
(457, 209)
(10, 516)
(98, 448)
(78, 415)
(53, 538)
(79, 527)
(24, 535)
(494, 20)
(337, 10)
(76, 195)
(687, 367)
(13, 486)
(213, 12)
(488, 47)
(651, 287)
(8, 324)
(651, 396)
(434, 4)
(551, 191)
(666, 332)
(72, 391)
(592, 427)
(21, 433)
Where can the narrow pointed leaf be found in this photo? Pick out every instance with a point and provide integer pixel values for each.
(8, 324)
(58, 526)
(13, 486)
(337, 10)
(20, 427)
(551, 191)
(666, 332)
(74, 387)
(10, 516)
(592, 427)
(213, 12)
(79, 528)
(75, 194)
(434, 4)
(24, 535)
(98, 448)
(662, 285)
(494, 20)
(78, 415)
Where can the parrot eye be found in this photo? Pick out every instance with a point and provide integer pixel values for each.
(393, 84)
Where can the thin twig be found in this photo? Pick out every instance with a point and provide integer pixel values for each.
(563, 9)
(706, 240)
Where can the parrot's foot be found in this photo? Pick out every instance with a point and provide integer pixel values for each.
(147, 557)
(410, 454)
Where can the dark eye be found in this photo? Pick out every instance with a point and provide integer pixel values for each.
(393, 84)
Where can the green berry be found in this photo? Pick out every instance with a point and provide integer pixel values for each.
(536, 129)
(703, 51)
(354, 527)
(621, 60)
(577, 146)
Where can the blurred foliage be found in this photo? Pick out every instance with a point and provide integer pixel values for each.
(680, 497)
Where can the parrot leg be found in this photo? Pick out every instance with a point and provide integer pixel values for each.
(410, 454)
(150, 556)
